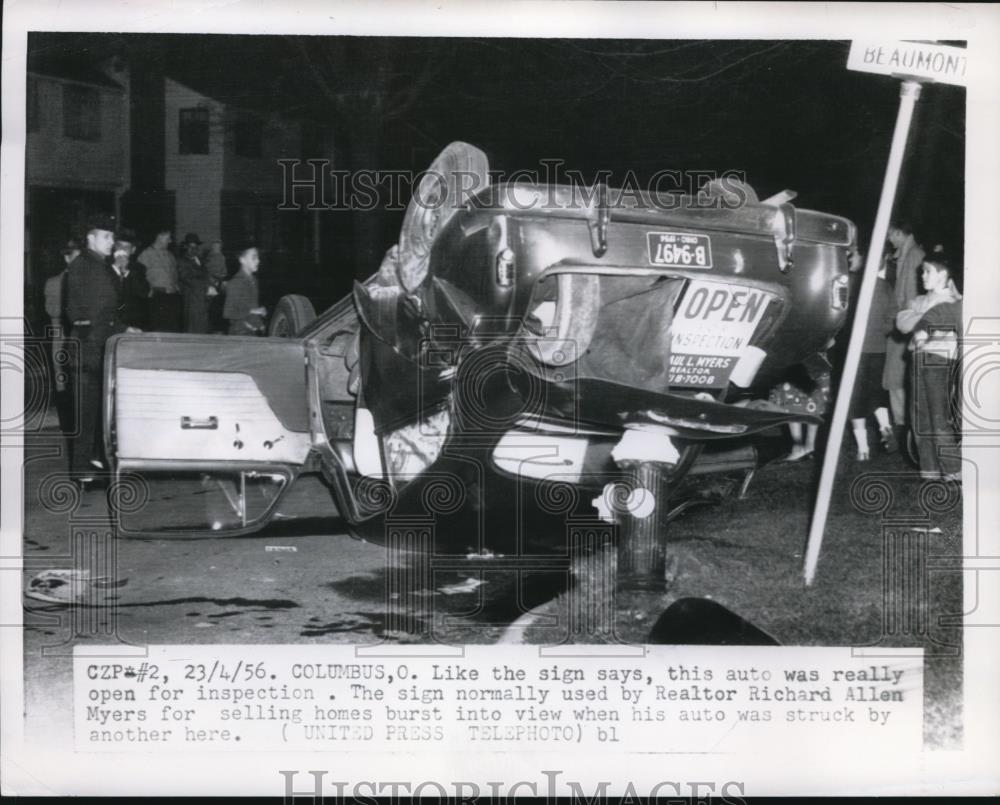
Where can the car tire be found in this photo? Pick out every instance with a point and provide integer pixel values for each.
(433, 203)
(292, 314)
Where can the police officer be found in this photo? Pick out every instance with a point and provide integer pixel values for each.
(92, 308)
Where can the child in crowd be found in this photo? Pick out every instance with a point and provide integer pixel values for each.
(242, 308)
(934, 320)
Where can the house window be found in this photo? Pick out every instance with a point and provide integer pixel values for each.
(81, 112)
(33, 115)
(247, 136)
(192, 131)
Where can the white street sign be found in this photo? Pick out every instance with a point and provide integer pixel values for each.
(924, 62)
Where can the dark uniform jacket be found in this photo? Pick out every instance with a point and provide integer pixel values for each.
(194, 279)
(133, 296)
(92, 305)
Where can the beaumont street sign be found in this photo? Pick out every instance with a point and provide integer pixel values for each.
(924, 62)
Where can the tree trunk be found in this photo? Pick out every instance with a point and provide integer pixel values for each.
(364, 149)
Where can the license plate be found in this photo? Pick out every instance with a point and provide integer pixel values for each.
(711, 330)
(679, 250)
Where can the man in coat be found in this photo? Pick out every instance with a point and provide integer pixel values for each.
(908, 259)
(195, 282)
(130, 276)
(92, 309)
(56, 310)
(215, 261)
(55, 292)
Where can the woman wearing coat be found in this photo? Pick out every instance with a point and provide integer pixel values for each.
(908, 257)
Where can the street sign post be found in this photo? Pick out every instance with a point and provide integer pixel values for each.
(913, 62)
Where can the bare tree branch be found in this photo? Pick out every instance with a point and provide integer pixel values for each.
(318, 77)
(407, 98)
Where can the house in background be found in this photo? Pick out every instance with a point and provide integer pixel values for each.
(122, 137)
(76, 153)
(222, 169)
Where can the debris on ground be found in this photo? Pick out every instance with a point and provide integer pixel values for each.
(67, 585)
(469, 585)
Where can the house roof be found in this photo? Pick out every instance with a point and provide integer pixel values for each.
(224, 89)
(71, 69)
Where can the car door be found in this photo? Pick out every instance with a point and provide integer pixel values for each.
(205, 433)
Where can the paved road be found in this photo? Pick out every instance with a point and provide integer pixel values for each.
(305, 580)
(302, 579)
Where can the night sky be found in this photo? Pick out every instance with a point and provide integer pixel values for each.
(787, 113)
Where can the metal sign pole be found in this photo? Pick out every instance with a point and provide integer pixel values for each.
(909, 93)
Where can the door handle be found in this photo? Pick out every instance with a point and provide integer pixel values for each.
(199, 423)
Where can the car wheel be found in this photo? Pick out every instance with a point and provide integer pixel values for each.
(459, 169)
(291, 316)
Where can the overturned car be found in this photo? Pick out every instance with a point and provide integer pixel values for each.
(526, 359)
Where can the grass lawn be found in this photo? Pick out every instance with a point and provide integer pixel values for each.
(748, 556)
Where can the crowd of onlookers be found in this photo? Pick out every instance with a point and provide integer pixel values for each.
(107, 286)
(163, 291)
(907, 375)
